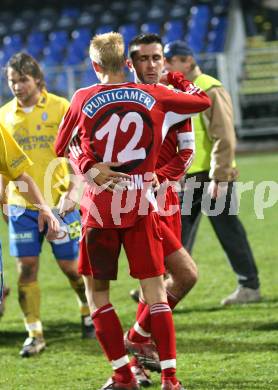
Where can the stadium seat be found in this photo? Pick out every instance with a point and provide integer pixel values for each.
(4, 57)
(104, 29)
(58, 39)
(4, 30)
(75, 54)
(173, 29)
(88, 77)
(65, 23)
(52, 56)
(71, 12)
(157, 14)
(28, 15)
(198, 27)
(178, 12)
(80, 40)
(128, 31)
(151, 27)
(48, 13)
(61, 85)
(45, 25)
(19, 26)
(12, 43)
(86, 20)
(217, 35)
(107, 18)
(118, 7)
(50, 78)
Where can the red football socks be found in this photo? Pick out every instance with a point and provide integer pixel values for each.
(163, 334)
(109, 333)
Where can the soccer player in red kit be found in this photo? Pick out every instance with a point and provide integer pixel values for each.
(175, 156)
(119, 126)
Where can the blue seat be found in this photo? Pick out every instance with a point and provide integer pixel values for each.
(81, 34)
(217, 35)
(198, 27)
(104, 29)
(66, 23)
(156, 13)
(52, 56)
(58, 39)
(75, 54)
(173, 30)
(35, 43)
(178, 11)
(86, 19)
(173, 27)
(61, 86)
(50, 78)
(13, 42)
(107, 18)
(19, 26)
(128, 31)
(4, 57)
(151, 27)
(71, 12)
(88, 77)
(4, 30)
(36, 38)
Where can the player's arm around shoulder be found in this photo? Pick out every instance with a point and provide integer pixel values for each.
(186, 97)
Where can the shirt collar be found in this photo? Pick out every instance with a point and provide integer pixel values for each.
(41, 102)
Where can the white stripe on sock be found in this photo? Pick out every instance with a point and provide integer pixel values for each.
(171, 363)
(106, 310)
(159, 307)
(140, 330)
(172, 296)
(34, 326)
(120, 362)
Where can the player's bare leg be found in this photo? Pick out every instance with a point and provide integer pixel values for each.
(182, 273)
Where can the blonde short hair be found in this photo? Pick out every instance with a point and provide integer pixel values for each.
(108, 51)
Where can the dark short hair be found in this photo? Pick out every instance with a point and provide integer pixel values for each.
(25, 64)
(145, 39)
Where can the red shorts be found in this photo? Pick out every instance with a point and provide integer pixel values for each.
(171, 224)
(100, 250)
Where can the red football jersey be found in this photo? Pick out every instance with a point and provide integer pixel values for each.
(176, 153)
(123, 123)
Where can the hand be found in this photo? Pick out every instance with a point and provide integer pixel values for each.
(46, 217)
(216, 190)
(103, 175)
(155, 182)
(4, 210)
(66, 205)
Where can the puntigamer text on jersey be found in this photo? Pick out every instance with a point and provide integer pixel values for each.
(101, 99)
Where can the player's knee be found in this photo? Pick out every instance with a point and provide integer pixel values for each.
(185, 273)
(154, 290)
(69, 268)
(27, 272)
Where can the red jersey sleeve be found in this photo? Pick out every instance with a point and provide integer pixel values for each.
(182, 160)
(177, 80)
(67, 129)
(68, 142)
